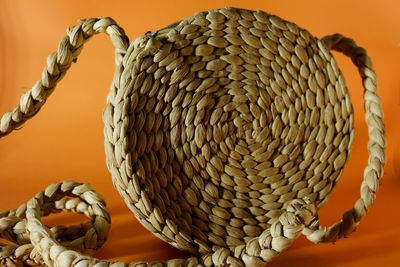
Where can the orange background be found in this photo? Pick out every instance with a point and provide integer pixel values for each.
(65, 140)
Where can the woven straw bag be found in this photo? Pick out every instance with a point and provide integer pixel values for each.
(225, 133)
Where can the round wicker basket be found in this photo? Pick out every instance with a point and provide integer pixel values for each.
(224, 134)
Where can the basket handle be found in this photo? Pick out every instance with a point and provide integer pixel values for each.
(376, 145)
(58, 64)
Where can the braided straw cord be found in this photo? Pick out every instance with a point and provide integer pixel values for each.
(57, 65)
(376, 145)
(86, 237)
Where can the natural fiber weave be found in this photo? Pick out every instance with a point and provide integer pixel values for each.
(224, 133)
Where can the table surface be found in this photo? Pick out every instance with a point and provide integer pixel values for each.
(65, 140)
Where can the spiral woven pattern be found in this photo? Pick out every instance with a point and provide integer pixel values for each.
(220, 121)
(224, 134)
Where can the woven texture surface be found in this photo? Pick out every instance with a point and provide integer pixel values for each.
(224, 133)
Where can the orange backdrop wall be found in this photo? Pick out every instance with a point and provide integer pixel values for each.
(65, 140)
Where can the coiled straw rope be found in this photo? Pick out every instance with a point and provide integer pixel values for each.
(224, 134)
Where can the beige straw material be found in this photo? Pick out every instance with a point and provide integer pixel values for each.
(224, 134)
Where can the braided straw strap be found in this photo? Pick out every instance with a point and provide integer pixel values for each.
(86, 237)
(376, 145)
(57, 65)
